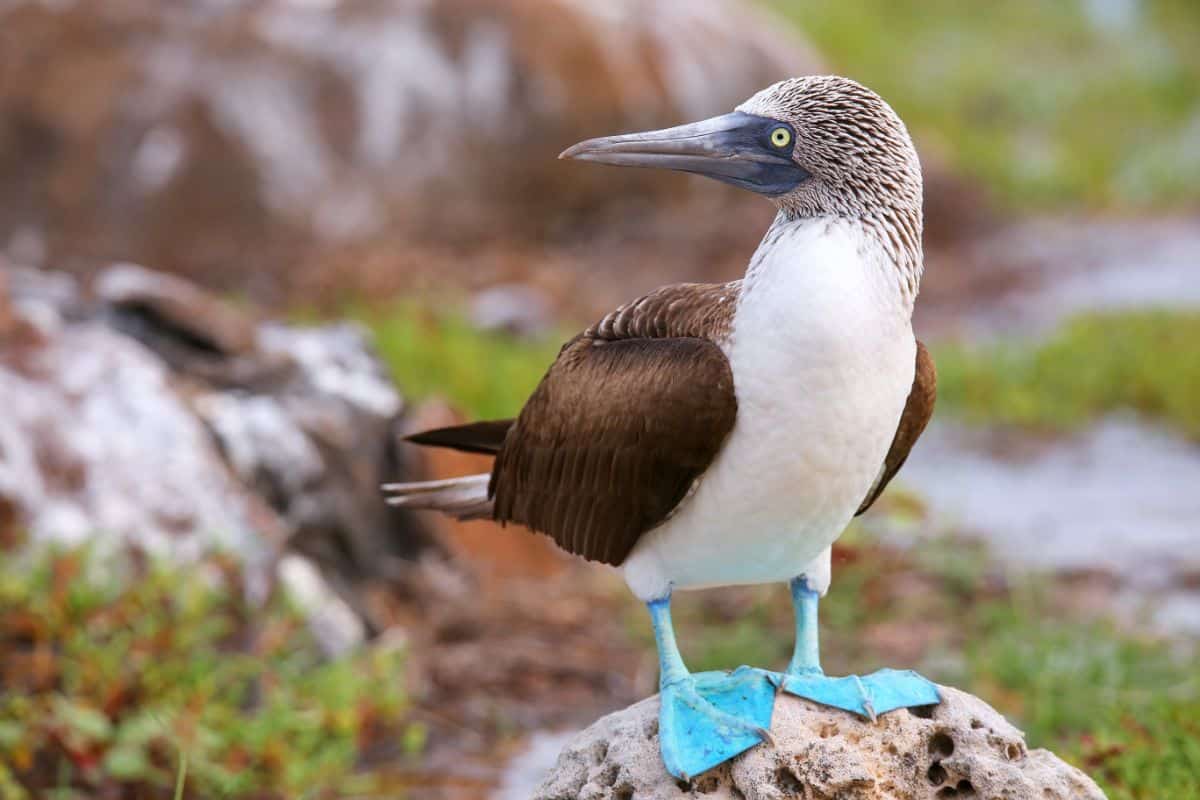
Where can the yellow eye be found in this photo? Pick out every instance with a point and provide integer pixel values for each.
(781, 137)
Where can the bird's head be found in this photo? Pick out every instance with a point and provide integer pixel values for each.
(816, 146)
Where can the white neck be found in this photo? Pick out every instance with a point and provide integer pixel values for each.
(844, 263)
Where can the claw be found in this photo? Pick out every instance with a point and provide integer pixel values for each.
(766, 737)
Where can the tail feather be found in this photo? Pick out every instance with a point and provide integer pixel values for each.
(476, 437)
(463, 498)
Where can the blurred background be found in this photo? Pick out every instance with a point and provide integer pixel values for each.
(245, 245)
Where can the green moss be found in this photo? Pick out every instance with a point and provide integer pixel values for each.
(1147, 362)
(117, 667)
(485, 375)
(1039, 101)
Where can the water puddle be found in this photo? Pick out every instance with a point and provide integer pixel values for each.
(1121, 498)
(1033, 275)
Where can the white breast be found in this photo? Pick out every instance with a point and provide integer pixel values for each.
(823, 356)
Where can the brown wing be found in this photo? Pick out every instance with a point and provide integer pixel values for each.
(917, 412)
(613, 439)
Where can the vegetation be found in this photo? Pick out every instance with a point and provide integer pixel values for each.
(1145, 361)
(1125, 709)
(114, 670)
(485, 375)
(1078, 103)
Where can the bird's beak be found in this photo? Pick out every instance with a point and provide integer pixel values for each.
(733, 148)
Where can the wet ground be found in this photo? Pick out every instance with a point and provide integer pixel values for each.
(1121, 499)
(1026, 278)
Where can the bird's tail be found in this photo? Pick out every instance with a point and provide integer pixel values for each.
(463, 498)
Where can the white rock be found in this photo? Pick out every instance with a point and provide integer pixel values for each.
(962, 748)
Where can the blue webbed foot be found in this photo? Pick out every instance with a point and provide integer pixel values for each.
(708, 718)
(870, 695)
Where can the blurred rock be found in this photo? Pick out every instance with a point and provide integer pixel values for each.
(512, 308)
(205, 134)
(961, 748)
(151, 413)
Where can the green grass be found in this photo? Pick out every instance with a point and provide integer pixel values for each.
(115, 673)
(1125, 709)
(1147, 362)
(1041, 103)
(485, 375)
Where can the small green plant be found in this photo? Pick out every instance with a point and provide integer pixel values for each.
(485, 375)
(1147, 362)
(123, 677)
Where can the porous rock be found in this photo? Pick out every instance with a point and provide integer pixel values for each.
(961, 748)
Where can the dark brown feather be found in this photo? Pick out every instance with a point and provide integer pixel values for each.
(702, 310)
(626, 419)
(613, 439)
(475, 437)
(917, 412)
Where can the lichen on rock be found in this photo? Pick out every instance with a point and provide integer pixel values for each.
(961, 748)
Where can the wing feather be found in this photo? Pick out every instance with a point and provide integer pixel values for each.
(918, 410)
(630, 414)
(612, 440)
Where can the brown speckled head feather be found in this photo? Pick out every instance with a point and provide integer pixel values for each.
(861, 158)
(917, 412)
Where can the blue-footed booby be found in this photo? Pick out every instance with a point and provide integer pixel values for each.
(716, 434)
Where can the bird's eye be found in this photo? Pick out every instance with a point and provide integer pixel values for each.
(781, 137)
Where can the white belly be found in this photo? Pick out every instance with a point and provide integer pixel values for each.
(823, 360)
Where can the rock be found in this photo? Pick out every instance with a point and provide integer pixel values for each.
(961, 748)
(208, 135)
(179, 309)
(151, 413)
(514, 309)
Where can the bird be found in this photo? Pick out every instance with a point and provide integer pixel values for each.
(724, 434)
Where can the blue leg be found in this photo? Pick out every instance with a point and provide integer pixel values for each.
(709, 718)
(877, 693)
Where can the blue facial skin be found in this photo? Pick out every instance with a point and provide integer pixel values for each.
(735, 148)
(744, 156)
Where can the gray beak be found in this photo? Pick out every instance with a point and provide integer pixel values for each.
(733, 148)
